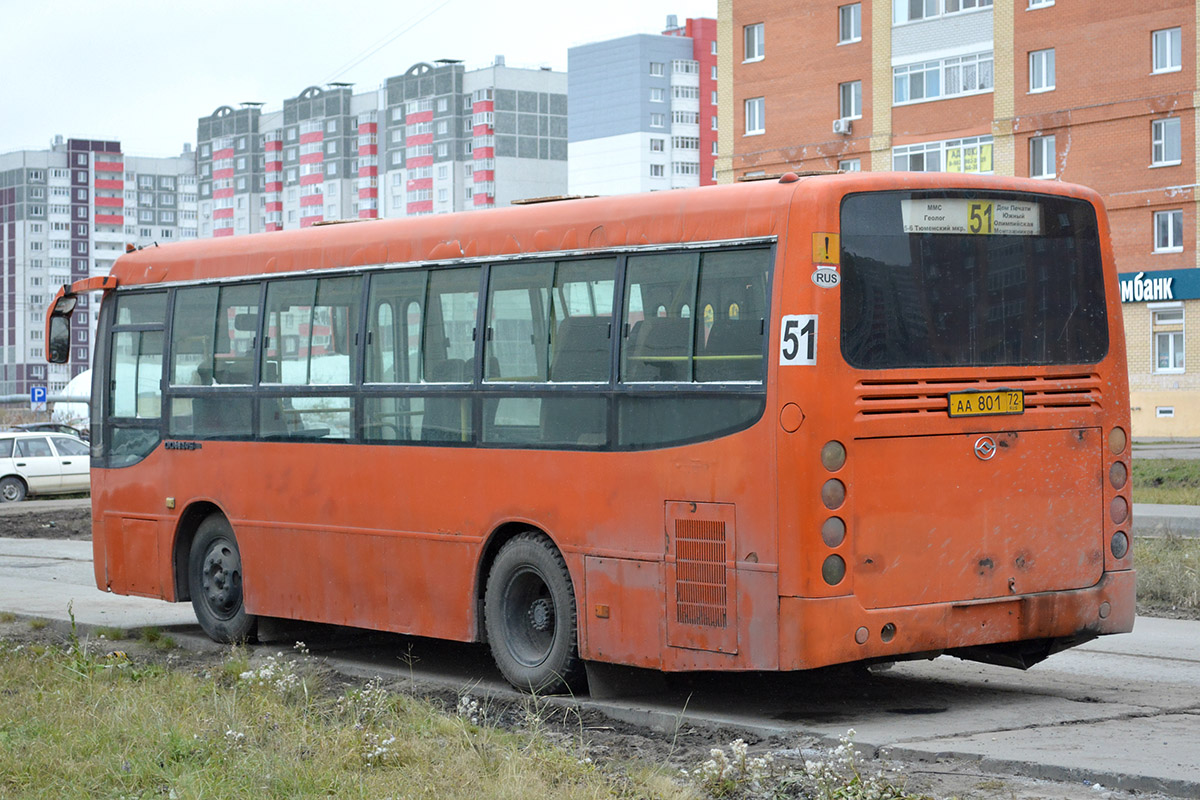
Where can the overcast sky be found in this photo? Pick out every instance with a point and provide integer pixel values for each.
(143, 71)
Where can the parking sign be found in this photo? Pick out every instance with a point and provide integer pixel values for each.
(37, 398)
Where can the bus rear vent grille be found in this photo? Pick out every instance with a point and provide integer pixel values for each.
(929, 397)
(700, 580)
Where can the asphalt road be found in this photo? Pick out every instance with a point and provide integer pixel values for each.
(1123, 711)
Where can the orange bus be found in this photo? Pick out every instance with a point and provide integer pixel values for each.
(768, 426)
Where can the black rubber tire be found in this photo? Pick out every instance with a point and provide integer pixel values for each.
(215, 583)
(12, 490)
(530, 615)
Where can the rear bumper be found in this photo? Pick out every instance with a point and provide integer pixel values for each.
(817, 632)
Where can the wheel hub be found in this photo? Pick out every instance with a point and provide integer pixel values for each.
(541, 614)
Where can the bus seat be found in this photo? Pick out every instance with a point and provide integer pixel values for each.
(658, 349)
(234, 371)
(581, 350)
(732, 337)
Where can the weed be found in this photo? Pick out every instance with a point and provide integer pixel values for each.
(38, 624)
(1168, 573)
(112, 634)
(839, 777)
(1166, 480)
(7, 616)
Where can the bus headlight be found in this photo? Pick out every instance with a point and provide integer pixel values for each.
(833, 570)
(1118, 473)
(1119, 510)
(833, 493)
(1120, 544)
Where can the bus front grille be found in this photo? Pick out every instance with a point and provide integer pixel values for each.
(883, 398)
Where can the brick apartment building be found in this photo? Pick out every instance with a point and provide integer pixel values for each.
(1097, 93)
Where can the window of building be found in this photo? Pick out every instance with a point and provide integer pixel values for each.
(1041, 70)
(658, 120)
(1041, 157)
(850, 100)
(331, 147)
(714, 47)
(714, 148)
(1167, 50)
(948, 77)
(850, 23)
(713, 122)
(443, 105)
(657, 68)
(656, 145)
(657, 95)
(1040, 3)
(1164, 411)
(917, 10)
(1167, 321)
(755, 116)
(1166, 143)
(1168, 231)
(712, 100)
(656, 170)
(850, 165)
(754, 38)
(713, 72)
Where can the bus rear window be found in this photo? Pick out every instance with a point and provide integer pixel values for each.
(956, 279)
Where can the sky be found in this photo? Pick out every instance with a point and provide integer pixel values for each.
(143, 71)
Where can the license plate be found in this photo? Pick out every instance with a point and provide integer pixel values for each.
(981, 404)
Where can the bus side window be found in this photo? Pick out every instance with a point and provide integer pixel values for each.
(518, 322)
(580, 333)
(396, 300)
(658, 347)
(734, 284)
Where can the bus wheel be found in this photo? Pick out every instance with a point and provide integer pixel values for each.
(12, 490)
(215, 582)
(529, 611)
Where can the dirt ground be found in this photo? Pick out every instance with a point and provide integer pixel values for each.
(606, 741)
(63, 523)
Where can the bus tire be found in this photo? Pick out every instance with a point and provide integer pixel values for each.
(215, 582)
(12, 490)
(530, 615)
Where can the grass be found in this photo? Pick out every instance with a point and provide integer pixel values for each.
(1168, 575)
(1174, 481)
(78, 724)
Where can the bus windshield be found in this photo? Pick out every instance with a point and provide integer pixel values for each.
(955, 279)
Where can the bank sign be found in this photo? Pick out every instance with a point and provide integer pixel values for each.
(1159, 285)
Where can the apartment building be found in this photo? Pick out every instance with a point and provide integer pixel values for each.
(643, 111)
(66, 213)
(435, 139)
(1101, 94)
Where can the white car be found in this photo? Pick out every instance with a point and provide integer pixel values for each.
(41, 463)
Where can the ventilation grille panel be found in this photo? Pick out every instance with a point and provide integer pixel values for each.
(880, 398)
(701, 586)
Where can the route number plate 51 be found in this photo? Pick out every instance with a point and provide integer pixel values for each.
(798, 340)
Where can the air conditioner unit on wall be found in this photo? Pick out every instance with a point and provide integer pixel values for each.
(841, 126)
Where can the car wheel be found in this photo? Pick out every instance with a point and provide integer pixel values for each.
(215, 582)
(12, 490)
(529, 611)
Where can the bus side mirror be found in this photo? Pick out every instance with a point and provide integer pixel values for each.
(58, 345)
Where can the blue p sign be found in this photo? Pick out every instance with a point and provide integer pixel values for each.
(37, 398)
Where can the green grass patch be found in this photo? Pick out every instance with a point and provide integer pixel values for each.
(112, 634)
(78, 724)
(38, 624)
(1175, 481)
(1168, 575)
(7, 616)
